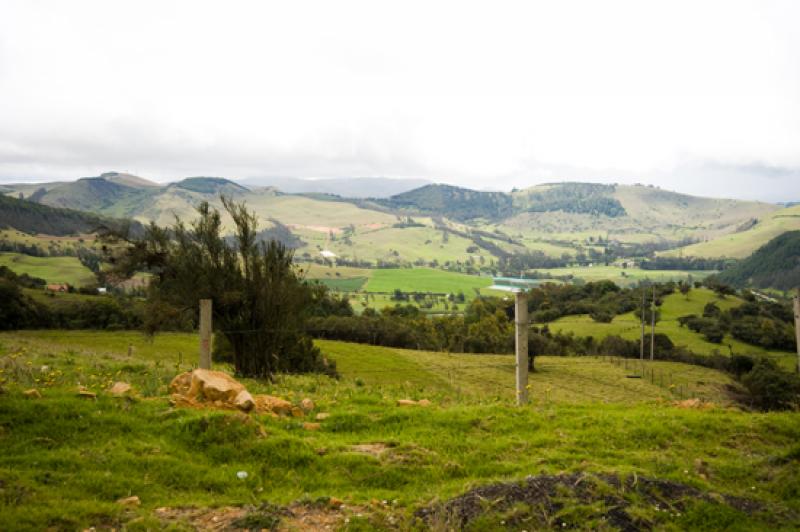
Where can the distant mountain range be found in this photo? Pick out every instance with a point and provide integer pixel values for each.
(349, 187)
(357, 219)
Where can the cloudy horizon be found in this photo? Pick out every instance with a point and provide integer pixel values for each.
(700, 98)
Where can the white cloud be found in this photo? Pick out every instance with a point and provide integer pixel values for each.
(478, 94)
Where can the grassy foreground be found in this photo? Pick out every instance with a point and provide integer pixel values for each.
(65, 460)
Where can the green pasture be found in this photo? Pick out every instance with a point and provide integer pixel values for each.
(425, 280)
(625, 276)
(66, 460)
(742, 244)
(52, 269)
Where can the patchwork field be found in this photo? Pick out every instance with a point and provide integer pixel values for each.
(65, 460)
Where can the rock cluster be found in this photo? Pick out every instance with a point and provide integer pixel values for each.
(204, 388)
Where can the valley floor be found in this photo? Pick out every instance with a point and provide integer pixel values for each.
(66, 460)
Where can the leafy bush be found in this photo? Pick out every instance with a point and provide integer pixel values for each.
(770, 387)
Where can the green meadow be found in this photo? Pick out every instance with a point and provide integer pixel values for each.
(66, 460)
(625, 276)
(51, 269)
(425, 280)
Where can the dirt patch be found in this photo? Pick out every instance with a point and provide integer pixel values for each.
(202, 518)
(372, 449)
(694, 403)
(549, 494)
(317, 228)
(320, 515)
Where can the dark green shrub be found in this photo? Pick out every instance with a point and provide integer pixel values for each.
(771, 388)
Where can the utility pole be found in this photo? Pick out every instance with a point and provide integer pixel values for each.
(205, 334)
(521, 337)
(653, 324)
(797, 325)
(641, 342)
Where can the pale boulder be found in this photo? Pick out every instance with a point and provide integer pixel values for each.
(268, 403)
(120, 388)
(212, 386)
(181, 383)
(244, 401)
(307, 405)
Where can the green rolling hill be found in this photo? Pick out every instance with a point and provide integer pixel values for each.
(442, 222)
(775, 265)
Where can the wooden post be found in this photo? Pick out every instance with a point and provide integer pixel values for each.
(641, 343)
(521, 320)
(653, 324)
(205, 334)
(797, 326)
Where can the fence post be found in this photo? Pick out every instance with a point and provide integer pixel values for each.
(797, 325)
(521, 319)
(205, 334)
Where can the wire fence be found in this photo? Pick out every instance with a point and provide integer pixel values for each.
(680, 382)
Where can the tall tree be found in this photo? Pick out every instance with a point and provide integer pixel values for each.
(260, 302)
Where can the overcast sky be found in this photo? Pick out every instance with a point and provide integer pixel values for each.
(698, 96)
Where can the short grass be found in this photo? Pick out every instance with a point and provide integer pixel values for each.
(352, 284)
(65, 460)
(425, 280)
(52, 269)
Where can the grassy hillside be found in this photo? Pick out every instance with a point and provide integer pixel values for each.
(66, 460)
(625, 276)
(626, 213)
(775, 265)
(555, 218)
(452, 202)
(673, 307)
(32, 218)
(742, 244)
(52, 269)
